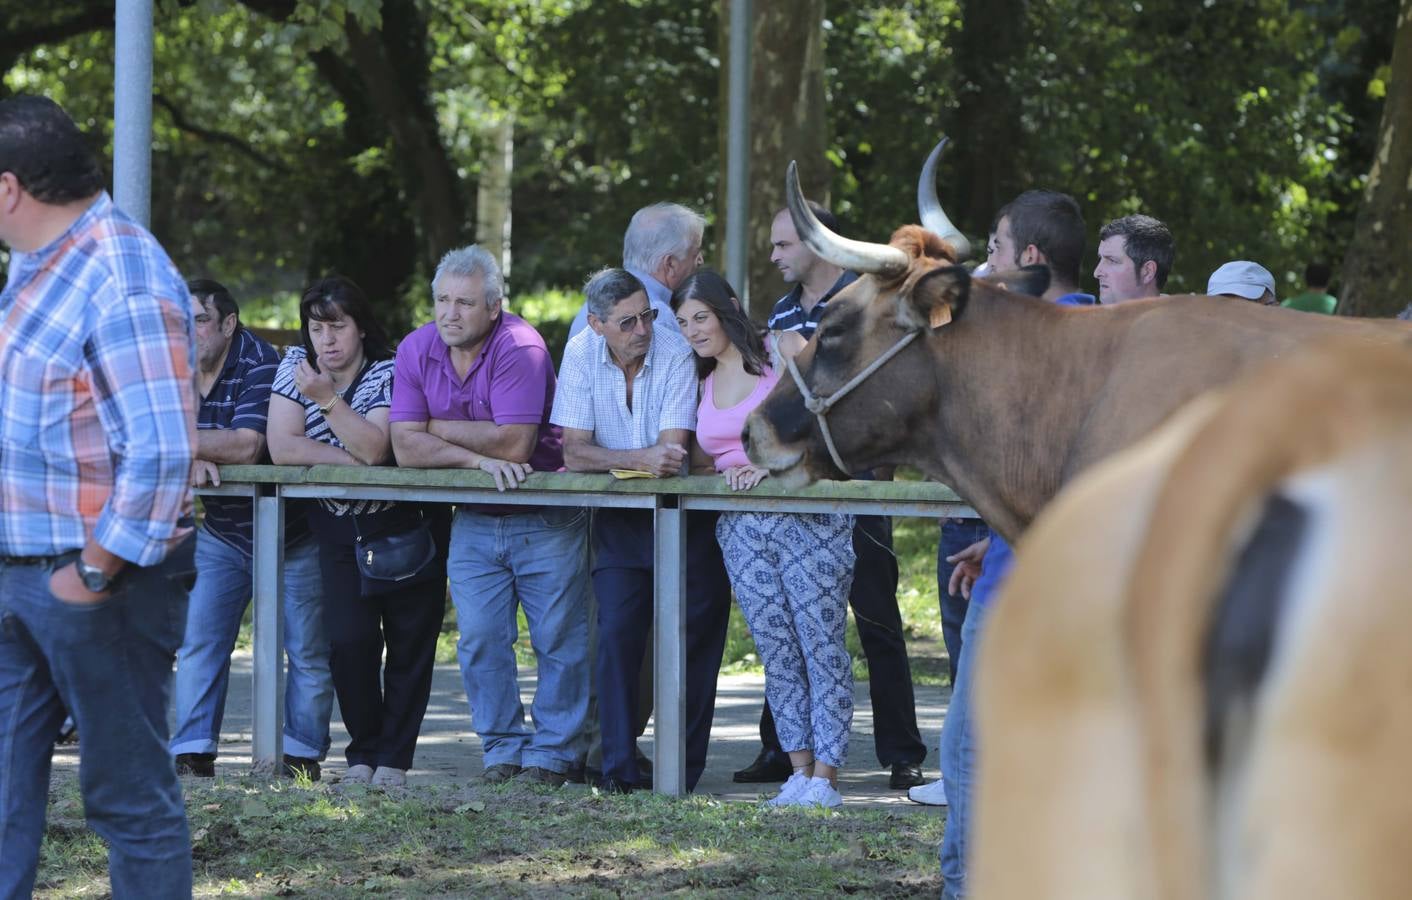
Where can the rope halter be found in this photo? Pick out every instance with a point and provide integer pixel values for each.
(820, 406)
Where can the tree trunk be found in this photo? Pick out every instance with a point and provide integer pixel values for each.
(1377, 277)
(393, 66)
(786, 123)
(987, 115)
(493, 192)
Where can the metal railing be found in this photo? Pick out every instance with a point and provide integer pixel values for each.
(668, 499)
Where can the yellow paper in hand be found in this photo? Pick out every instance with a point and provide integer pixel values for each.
(631, 473)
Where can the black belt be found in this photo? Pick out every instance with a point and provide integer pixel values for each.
(37, 560)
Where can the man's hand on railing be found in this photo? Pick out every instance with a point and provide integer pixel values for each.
(204, 472)
(507, 474)
(663, 460)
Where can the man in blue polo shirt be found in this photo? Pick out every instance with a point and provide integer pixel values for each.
(1037, 228)
(873, 596)
(234, 372)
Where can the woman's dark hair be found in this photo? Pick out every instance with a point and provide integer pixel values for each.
(327, 299)
(708, 287)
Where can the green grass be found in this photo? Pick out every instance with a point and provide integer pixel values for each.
(255, 839)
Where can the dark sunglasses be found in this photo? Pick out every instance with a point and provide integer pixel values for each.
(629, 323)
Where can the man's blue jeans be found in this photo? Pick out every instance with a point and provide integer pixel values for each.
(956, 535)
(958, 758)
(218, 602)
(538, 560)
(110, 666)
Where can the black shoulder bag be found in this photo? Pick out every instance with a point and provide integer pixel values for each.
(395, 557)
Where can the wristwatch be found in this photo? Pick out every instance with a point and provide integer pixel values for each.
(93, 578)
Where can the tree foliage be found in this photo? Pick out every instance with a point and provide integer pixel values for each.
(295, 137)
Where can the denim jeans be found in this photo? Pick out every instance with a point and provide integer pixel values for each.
(110, 666)
(537, 560)
(956, 535)
(958, 758)
(218, 602)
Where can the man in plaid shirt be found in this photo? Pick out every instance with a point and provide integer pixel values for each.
(97, 430)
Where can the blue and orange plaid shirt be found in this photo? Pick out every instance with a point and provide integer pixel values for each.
(97, 398)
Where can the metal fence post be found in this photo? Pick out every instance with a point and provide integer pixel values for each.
(267, 729)
(669, 624)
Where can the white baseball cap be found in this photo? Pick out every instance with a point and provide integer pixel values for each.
(1242, 278)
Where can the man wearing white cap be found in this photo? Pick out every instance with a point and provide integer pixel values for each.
(1245, 279)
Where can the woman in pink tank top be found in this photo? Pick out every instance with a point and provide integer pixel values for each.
(791, 571)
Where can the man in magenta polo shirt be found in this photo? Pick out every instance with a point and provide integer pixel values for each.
(474, 390)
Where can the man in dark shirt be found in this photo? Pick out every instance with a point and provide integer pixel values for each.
(873, 596)
(234, 372)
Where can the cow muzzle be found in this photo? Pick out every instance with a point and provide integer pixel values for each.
(820, 406)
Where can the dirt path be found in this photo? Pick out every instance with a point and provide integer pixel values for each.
(449, 751)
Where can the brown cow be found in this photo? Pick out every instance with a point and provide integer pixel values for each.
(1002, 396)
(1213, 697)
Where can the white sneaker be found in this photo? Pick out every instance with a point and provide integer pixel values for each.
(359, 774)
(389, 777)
(793, 789)
(933, 794)
(820, 793)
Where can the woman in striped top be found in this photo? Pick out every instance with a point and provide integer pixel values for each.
(329, 405)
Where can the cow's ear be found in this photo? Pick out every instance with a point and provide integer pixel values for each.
(1032, 280)
(938, 297)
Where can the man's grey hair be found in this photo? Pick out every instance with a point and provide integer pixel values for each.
(659, 231)
(606, 288)
(466, 262)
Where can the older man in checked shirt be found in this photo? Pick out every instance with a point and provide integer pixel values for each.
(97, 431)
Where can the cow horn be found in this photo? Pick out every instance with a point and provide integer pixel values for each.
(861, 257)
(929, 207)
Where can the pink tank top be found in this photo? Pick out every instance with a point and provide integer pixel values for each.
(718, 430)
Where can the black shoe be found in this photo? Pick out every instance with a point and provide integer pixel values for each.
(202, 765)
(906, 775)
(300, 765)
(770, 767)
(576, 774)
(500, 773)
(614, 786)
(545, 777)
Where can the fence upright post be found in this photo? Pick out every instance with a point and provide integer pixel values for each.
(669, 624)
(267, 729)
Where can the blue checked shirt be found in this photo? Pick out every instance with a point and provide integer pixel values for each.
(97, 397)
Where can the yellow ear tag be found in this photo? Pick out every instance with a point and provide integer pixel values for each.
(941, 314)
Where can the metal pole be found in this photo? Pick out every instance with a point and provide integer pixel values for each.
(267, 695)
(738, 151)
(132, 110)
(669, 674)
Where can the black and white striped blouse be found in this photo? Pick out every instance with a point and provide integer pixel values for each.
(373, 391)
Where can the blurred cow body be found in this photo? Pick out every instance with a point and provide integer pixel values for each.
(1196, 682)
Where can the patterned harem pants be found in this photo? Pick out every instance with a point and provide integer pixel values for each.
(791, 573)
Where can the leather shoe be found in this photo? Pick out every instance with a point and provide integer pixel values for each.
(202, 765)
(905, 775)
(294, 766)
(771, 766)
(614, 786)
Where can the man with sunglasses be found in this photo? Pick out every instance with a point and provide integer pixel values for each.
(627, 400)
